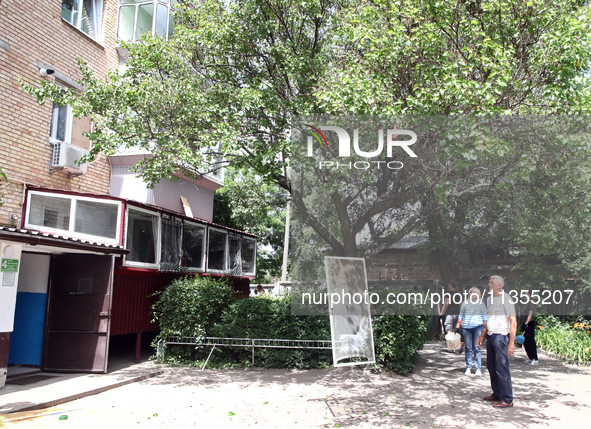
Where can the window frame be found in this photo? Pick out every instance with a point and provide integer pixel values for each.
(157, 250)
(72, 222)
(137, 5)
(254, 271)
(225, 270)
(204, 248)
(54, 124)
(98, 6)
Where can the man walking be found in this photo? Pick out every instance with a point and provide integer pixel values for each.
(501, 328)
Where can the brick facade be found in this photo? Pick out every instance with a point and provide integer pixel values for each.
(32, 33)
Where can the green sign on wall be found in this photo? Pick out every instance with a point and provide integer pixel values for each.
(9, 265)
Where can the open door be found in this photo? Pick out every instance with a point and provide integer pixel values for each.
(78, 313)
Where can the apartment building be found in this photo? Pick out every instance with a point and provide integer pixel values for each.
(83, 248)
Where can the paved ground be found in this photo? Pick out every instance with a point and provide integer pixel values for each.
(436, 395)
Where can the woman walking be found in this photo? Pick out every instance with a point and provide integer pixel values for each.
(473, 317)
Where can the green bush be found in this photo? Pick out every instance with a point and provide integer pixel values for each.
(266, 317)
(200, 306)
(397, 341)
(192, 305)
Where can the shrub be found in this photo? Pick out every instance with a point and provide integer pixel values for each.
(397, 341)
(266, 317)
(200, 306)
(192, 305)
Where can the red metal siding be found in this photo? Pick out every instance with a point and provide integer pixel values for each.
(132, 301)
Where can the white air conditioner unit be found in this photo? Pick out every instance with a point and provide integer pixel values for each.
(65, 157)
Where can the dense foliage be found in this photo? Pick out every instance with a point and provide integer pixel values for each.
(247, 204)
(266, 317)
(570, 339)
(397, 340)
(199, 306)
(191, 306)
(236, 72)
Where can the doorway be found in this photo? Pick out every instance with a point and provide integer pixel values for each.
(78, 313)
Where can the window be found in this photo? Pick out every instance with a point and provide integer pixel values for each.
(218, 174)
(85, 15)
(93, 219)
(50, 211)
(234, 251)
(170, 255)
(249, 247)
(217, 250)
(67, 128)
(61, 123)
(142, 238)
(193, 246)
(139, 17)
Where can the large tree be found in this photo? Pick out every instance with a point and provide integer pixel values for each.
(235, 74)
(247, 204)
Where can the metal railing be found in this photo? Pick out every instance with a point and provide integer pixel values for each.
(242, 342)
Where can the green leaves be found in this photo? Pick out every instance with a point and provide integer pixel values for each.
(397, 340)
(461, 58)
(191, 306)
(235, 74)
(247, 203)
(270, 317)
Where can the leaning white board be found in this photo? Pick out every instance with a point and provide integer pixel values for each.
(350, 311)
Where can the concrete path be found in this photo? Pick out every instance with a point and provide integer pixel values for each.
(61, 388)
(436, 395)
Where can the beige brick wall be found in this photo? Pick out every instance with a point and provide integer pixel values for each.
(34, 31)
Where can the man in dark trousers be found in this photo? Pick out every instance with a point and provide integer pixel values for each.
(529, 326)
(500, 339)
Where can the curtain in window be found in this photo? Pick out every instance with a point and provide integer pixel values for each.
(156, 234)
(216, 255)
(248, 255)
(161, 20)
(142, 237)
(96, 218)
(58, 129)
(193, 243)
